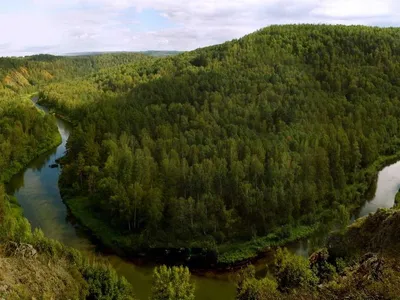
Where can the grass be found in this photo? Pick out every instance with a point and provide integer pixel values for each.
(75, 274)
(236, 252)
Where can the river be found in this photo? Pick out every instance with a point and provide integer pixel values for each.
(36, 189)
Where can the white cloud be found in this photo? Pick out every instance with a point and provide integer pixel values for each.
(354, 9)
(63, 26)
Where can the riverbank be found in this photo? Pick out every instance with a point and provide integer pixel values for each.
(226, 256)
(34, 266)
(52, 142)
(49, 268)
(36, 189)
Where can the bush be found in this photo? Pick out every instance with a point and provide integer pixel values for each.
(104, 283)
(321, 267)
(172, 284)
(250, 288)
(293, 271)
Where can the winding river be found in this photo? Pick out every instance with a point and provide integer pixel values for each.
(36, 189)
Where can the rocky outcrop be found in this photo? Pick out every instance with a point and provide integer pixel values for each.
(20, 249)
(378, 232)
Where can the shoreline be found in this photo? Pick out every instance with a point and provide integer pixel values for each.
(243, 252)
(53, 142)
(109, 239)
(56, 142)
(199, 260)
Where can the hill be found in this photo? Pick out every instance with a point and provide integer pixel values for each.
(149, 52)
(25, 74)
(258, 139)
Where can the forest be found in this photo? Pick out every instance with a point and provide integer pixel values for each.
(263, 137)
(24, 133)
(230, 148)
(56, 272)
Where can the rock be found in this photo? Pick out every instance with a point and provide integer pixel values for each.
(53, 166)
(23, 250)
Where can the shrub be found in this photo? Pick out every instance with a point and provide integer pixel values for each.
(293, 271)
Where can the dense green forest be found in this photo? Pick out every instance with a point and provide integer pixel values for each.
(230, 148)
(28, 73)
(255, 137)
(25, 132)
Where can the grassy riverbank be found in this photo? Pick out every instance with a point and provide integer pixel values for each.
(227, 254)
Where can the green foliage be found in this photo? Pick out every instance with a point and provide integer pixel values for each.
(343, 217)
(340, 264)
(293, 272)
(321, 267)
(250, 288)
(99, 227)
(24, 74)
(368, 269)
(104, 283)
(233, 142)
(375, 233)
(2, 204)
(233, 252)
(24, 134)
(97, 280)
(172, 284)
(397, 199)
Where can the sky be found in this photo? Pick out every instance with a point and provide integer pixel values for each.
(68, 26)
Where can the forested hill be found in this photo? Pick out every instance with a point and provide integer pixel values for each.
(30, 264)
(21, 74)
(261, 136)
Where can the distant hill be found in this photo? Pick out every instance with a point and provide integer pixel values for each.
(18, 73)
(149, 52)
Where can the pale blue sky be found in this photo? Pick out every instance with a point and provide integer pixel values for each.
(65, 26)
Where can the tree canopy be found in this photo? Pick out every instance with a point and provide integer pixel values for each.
(236, 140)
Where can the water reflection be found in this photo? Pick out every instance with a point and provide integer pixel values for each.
(388, 184)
